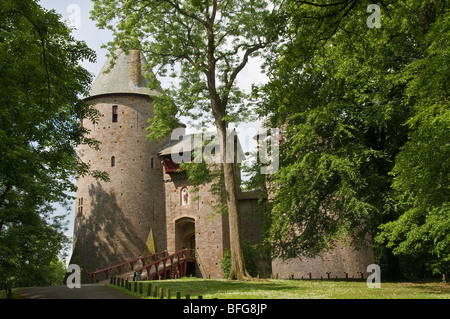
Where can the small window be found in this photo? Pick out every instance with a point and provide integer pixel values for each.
(80, 206)
(115, 113)
(113, 161)
(152, 163)
(184, 196)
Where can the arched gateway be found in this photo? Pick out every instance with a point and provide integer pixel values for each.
(185, 238)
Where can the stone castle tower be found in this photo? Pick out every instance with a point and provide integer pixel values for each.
(125, 217)
(148, 205)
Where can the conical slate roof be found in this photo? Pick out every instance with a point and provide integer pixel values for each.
(127, 76)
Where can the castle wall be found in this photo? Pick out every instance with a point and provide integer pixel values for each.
(340, 262)
(250, 217)
(140, 209)
(212, 236)
(211, 230)
(125, 217)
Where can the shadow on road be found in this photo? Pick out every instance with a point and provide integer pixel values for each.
(91, 291)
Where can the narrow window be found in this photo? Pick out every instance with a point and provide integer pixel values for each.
(152, 163)
(80, 206)
(115, 113)
(184, 196)
(113, 161)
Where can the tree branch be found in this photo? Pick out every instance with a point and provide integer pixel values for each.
(238, 69)
(185, 13)
(324, 5)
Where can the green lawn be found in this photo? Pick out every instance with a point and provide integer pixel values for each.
(299, 289)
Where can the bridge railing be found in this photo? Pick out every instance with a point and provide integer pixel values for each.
(167, 267)
(132, 262)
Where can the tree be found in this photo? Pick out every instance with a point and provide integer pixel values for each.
(39, 130)
(357, 104)
(205, 44)
(421, 171)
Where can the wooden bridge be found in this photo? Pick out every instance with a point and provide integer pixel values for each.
(162, 265)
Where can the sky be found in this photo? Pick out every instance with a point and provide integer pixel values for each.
(76, 14)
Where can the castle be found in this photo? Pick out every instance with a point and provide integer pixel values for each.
(147, 206)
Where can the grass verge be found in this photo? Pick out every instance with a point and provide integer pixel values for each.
(296, 289)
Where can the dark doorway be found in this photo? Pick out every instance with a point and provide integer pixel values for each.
(185, 238)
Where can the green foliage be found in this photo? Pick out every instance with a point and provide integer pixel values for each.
(164, 121)
(421, 172)
(40, 110)
(29, 249)
(366, 141)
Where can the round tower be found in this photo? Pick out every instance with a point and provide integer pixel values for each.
(125, 217)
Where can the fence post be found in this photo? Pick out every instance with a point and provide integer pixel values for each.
(149, 290)
(178, 295)
(155, 292)
(161, 293)
(168, 293)
(188, 296)
(135, 287)
(140, 288)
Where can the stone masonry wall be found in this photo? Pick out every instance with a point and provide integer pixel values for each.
(341, 262)
(125, 217)
(210, 229)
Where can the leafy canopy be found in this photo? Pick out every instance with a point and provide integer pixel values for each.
(40, 109)
(366, 115)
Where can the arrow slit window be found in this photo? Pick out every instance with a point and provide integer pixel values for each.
(115, 113)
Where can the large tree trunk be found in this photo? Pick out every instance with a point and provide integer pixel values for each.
(218, 107)
(238, 269)
(9, 294)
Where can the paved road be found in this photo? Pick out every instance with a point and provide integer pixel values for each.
(91, 291)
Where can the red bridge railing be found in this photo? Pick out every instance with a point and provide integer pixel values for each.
(167, 267)
(155, 257)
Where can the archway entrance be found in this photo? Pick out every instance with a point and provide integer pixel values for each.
(185, 238)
